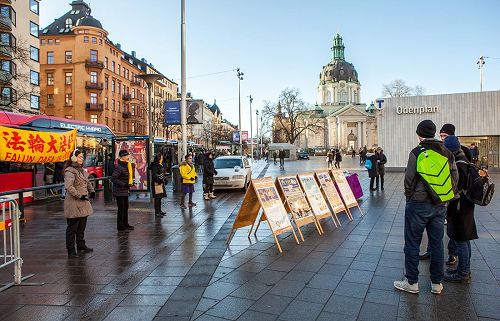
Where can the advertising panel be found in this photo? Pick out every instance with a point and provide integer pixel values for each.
(137, 147)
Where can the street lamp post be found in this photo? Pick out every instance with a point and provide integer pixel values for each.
(239, 74)
(251, 129)
(183, 80)
(480, 63)
(257, 120)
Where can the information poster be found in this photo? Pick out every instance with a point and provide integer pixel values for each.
(295, 198)
(271, 203)
(313, 193)
(330, 191)
(137, 147)
(344, 188)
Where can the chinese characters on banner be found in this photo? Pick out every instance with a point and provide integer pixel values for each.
(27, 146)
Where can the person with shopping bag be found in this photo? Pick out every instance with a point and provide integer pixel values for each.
(158, 179)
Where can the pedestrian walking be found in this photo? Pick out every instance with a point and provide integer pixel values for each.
(361, 156)
(330, 158)
(426, 205)
(77, 207)
(188, 174)
(275, 156)
(381, 161)
(474, 153)
(461, 227)
(282, 158)
(338, 158)
(122, 179)
(353, 153)
(208, 177)
(158, 179)
(371, 164)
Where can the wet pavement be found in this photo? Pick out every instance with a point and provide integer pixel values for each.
(179, 268)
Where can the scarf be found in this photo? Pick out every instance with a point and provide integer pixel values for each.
(130, 173)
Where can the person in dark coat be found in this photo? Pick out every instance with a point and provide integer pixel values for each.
(281, 156)
(208, 177)
(158, 179)
(338, 158)
(461, 227)
(382, 160)
(122, 180)
(373, 171)
(275, 156)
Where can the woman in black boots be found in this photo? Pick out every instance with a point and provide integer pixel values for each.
(122, 180)
(158, 179)
(208, 177)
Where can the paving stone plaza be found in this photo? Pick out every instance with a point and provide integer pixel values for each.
(179, 268)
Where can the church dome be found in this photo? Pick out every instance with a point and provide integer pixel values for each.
(338, 70)
(89, 21)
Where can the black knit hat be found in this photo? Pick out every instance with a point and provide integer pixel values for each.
(123, 153)
(448, 129)
(426, 129)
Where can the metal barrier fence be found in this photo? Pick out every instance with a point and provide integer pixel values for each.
(10, 237)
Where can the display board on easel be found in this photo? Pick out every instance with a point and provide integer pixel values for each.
(296, 203)
(332, 195)
(315, 197)
(345, 190)
(263, 193)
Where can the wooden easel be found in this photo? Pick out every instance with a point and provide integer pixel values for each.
(345, 191)
(331, 194)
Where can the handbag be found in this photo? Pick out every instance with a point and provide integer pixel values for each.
(159, 188)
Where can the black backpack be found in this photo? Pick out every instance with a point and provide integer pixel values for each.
(480, 188)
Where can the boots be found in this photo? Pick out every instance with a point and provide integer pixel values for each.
(211, 195)
(85, 249)
(206, 196)
(73, 254)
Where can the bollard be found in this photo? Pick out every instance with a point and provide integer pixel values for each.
(108, 197)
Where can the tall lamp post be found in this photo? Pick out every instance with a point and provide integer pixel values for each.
(239, 74)
(251, 130)
(480, 64)
(257, 120)
(183, 81)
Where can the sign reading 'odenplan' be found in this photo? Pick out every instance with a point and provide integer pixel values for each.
(401, 110)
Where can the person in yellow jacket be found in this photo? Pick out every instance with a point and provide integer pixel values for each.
(188, 174)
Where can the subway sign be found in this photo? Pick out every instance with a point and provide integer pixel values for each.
(403, 110)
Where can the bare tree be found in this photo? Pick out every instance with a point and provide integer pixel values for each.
(399, 88)
(15, 77)
(288, 116)
(207, 130)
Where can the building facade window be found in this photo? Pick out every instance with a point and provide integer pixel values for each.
(68, 99)
(133, 127)
(113, 105)
(106, 103)
(119, 106)
(119, 125)
(50, 100)
(119, 70)
(86, 39)
(8, 12)
(68, 79)
(93, 98)
(93, 77)
(35, 102)
(35, 78)
(50, 79)
(33, 29)
(93, 55)
(68, 57)
(93, 119)
(119, 86)
(10, 67)
(100, 42)
(94, 40)
(34, 53)
(106, 62)
(69, 23)
(113, 125)
(9, 96)
(50, 57)
(35, 6)
(113, 86)
(113, 66)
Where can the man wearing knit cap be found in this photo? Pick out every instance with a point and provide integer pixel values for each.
(421, 213)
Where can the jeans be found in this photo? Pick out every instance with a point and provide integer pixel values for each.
(452, 247)
(372, 181)
(463, 251)
(420, 216)
(76, 229)
(122, 217)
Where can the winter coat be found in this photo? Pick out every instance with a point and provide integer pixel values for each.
(330, 156)
(338, 157)
(414, 187)
(120, 179)
(460, 213)
(281, 154)
(381, 164)
(77, 184)
(373, 172)
(188, 173)
(158, 177)
(208, 171)
(59, 173)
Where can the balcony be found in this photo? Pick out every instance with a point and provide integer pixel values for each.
(94, 107)
(127, 114)
(6, 2)
(94, 85)
(5, 23)
(158, 94)
(135, 83)
(5, 78)
(127, 97)
(94, 64)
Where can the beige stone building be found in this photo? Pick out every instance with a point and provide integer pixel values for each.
(20, 56)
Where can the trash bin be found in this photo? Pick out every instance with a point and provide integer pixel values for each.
(176, 179)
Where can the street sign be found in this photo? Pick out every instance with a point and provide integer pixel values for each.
(173, 112)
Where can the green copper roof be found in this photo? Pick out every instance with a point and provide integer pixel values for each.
(338, 48)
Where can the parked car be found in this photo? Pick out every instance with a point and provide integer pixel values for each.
(302, 155)
(232, 172)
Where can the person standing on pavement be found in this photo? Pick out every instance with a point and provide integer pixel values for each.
(353, 153)
(461, 227)
(373, 170)
(275, 156)
(474, 153)
(77, 207)
(282, 158)
(208, 177)
(188, 174)
(122, 180)
(330, 157)
(422, 212)
(338, 158)
(158, 179)
(382, 160)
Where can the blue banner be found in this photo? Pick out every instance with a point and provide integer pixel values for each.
(173, 112)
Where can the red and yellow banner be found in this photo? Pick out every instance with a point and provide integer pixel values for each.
(27, 146)
(5, 224)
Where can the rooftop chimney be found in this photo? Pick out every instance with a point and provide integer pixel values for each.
(133, 54)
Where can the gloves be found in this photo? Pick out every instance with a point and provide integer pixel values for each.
(192, 179)
(92, 195)
(84, 198)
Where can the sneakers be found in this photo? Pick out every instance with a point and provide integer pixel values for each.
(424, 256)
(452, 260)
(457, 277)
(206, 197)
(406, 286)
(436, 288)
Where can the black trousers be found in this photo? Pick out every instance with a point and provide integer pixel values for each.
(122, 217)
(337, 164)
(381, 181)
(208, 188)
(157, 205)
(372, 180)
(76, 230)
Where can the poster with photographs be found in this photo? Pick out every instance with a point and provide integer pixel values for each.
(296, 200)
(314, 195)
(137, 147)
(330, 191)
(344, 188)
(271, 203)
